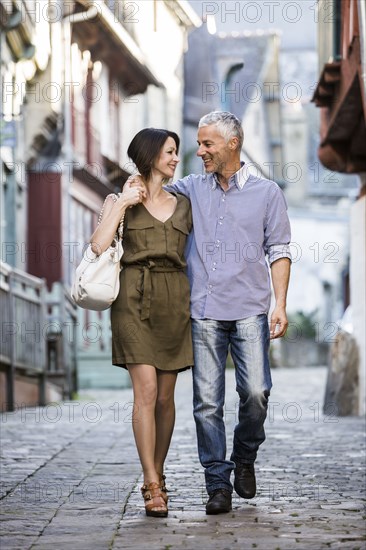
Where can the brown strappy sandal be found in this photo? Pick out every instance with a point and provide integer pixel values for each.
(164, 490)
(153, 493)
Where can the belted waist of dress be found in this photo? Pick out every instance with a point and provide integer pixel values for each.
(146, 267)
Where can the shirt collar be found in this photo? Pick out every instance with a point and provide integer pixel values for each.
(239, 178)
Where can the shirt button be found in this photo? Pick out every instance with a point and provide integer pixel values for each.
(209, 286)
(209, 292)
(215, 263)
(220, 223)
(221, 217)
(214, 269)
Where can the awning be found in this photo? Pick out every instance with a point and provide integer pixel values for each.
(107, 40)
(343, 127)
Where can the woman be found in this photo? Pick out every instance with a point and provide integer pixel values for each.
(151, 334)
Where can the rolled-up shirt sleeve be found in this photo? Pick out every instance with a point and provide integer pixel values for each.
(277, 231)
(278, 251)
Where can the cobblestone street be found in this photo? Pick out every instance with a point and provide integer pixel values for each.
(71, 476)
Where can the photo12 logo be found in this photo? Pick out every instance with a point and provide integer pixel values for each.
(54, 11)
(267, 11)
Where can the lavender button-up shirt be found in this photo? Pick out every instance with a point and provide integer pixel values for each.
(234, 231)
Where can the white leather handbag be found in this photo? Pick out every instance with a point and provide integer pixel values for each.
(96, 283)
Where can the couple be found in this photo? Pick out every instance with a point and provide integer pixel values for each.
(226, 222)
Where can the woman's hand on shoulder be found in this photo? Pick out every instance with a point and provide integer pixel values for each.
(133, 192)
(136, 180)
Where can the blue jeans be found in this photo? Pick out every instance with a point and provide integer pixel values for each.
(249, 346)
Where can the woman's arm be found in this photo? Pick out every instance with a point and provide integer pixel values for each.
(112, 215)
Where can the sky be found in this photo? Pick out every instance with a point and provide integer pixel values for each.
(295, 19)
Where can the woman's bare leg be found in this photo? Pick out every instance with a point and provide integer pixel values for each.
(145, 391)
(164, 416)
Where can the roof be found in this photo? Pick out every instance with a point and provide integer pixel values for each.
(110, 42)
(252, 50)
(185, 13)
(212, 65)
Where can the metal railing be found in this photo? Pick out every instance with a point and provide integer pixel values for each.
(61, 339)
(22, 316)
(38, 333)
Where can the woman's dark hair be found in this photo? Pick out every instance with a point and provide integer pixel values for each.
(145, 148)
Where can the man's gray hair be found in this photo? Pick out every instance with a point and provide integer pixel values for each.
(227, 124)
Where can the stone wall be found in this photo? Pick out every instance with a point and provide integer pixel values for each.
(342, 389)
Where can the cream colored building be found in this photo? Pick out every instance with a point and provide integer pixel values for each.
(90, 74)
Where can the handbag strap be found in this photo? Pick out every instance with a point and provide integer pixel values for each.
(119, 232)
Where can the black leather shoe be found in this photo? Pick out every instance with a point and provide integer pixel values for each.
(244, 482)
(219, 502)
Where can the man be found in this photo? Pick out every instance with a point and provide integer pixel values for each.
(238, 219)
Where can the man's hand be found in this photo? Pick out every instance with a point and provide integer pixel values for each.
(278, 323)
(132, 193)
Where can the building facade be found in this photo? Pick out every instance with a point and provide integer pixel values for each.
(267, 80)
(340, 95)
(236, 72)
(95, 73)
(25, 325)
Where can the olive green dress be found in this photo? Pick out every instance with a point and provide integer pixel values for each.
(150, 317)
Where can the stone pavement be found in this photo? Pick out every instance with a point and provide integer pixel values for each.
(71, 476)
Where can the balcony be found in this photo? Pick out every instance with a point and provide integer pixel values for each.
(22, 314)
(108, 41)
(38, 349)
